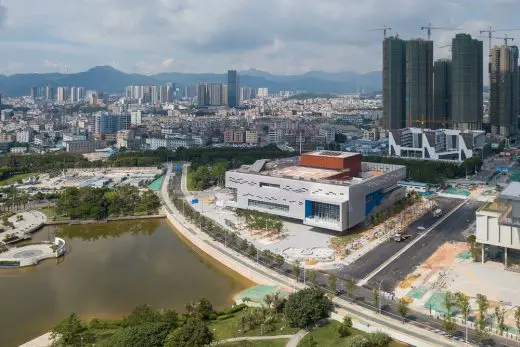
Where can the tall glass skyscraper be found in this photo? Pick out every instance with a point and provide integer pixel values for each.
(233, 89)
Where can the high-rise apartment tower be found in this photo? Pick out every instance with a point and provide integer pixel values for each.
(233, 92)
(419, 82)
(394, 83)
(504, 91)
(467, 82)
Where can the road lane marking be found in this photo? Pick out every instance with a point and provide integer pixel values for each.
(408, 246)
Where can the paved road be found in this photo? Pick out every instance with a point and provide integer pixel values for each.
(364, 295)
(259, 338)
(295, 340)
(373, 259)
(451, 229)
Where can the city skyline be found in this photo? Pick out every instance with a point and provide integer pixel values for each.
(53, 37)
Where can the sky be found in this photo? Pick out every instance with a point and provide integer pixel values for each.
(279, 36)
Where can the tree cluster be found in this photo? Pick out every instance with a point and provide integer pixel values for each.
(55, 162)
(145, 326)
(201, 177)
(431, 171)
(99, 203)
(306, 307)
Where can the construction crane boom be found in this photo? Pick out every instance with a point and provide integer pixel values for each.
(490, 33)
(505, 38)
(429, 29)
(384, 29)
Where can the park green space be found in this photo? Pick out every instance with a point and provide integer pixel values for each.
(16, 178)
(327, 336)
(257, 343)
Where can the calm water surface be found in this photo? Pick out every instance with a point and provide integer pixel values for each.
(110, 269)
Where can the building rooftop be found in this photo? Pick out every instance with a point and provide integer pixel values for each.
(291, 168)
(512, 191)
(333, 154)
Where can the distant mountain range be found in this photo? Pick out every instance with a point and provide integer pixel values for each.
(108, 79)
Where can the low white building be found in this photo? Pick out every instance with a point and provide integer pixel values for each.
(25, 136)
(498, 222)
(440, 144)
(329, 190)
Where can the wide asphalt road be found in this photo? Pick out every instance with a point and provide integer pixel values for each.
(373, 259)
(451, 229)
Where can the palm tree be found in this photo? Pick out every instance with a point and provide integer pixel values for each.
(350, 287)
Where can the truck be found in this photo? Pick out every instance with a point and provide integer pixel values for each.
(437, 213)
(401, 237)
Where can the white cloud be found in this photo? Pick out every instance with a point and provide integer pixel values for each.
(289, 36)
(166, 63)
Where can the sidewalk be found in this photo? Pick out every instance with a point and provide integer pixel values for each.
(405, 332)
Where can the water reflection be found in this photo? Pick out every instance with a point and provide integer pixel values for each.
(110, 269)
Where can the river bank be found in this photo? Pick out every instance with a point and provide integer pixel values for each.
(109, 219)
(112, 267)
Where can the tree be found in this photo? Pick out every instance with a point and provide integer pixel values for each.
(279, 260)
(350, 286)
(140, 315)
(307, 306)
(517, 318)
(296, 270)
(201, 308)
(379, 339)
(375, 294)
(462, 302)
(194, 333)
(332, 283)
(147, 334)
(483, 305)
(251, 250)
(312, 276)
(68, 331)
(310, 342)
(357, 341)
(402, 308)
(449, 324)
(500, 313)
(344, 328)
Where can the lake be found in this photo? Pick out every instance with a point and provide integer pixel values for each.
(110, 268)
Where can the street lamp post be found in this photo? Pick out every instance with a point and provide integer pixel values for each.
(380, 296)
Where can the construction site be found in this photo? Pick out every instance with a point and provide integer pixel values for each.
(451, 268)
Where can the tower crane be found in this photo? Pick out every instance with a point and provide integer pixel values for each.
(384, 29)
(490, 33)
(505, 38)
(429, 29)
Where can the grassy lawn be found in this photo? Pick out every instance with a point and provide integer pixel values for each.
(14, 179)
(344, 240)
(50, 212)
(229, 328)
(267, 343)
(327, 336)
(189, 178)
